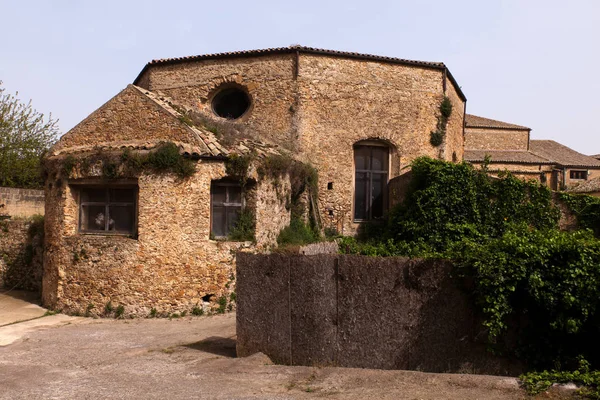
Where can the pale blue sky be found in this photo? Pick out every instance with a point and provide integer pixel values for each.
(530, 62)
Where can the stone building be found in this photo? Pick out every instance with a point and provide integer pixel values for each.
(508, 147)
(129, 223)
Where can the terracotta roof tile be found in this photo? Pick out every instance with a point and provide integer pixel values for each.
(593, 185)
(505, 156)
(561, 154)
(473, 121)
(209, 144)
(293, 49)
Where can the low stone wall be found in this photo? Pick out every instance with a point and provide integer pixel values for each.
(357, 311)
(21, 252)
(21, 202)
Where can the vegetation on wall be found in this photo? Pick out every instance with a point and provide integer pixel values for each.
(165, 158)
(437, 137)
(244, 228)
(526, 276)
(586, 209)
(305, 223)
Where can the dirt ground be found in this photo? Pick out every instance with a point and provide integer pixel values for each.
(194, 357)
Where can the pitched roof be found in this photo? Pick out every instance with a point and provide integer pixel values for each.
(596, 156)
(561, 154)
(307, 50)
(593, 185)
(201, 141)
(505, 156)
(473, 121)
(213, 146)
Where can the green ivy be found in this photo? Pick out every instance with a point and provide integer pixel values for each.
(166, 158)
(525, 275)
(437, 136)
(586, 208)
(537, 382)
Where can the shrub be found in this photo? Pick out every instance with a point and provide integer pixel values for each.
(297, 233)
(244, 227)
(167, 158)
(222, 304)
(119, 311)
(197, 311)
(502, 234)
(586, 209)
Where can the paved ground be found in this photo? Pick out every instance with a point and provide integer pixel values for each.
(18, 305)
(193, 357)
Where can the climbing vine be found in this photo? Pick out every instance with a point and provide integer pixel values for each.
(437, 137)
(586, 209)
(525, 275)
(166, 158)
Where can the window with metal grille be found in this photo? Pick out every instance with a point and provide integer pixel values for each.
(370, 181)
(107, 209)
(226, 205)
(578, 174)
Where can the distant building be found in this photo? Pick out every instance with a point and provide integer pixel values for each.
(508, 147)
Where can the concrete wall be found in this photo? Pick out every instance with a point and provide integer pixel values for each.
(356, 311)
(496, 139)
(21, 252)
(17, 202)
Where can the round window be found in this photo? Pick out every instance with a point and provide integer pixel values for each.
(231, 103)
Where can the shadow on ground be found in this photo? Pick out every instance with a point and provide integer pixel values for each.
(216, 345)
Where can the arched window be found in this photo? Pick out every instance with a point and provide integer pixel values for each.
(371, 172)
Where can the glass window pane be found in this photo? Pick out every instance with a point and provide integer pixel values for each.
(379, 161)
(92, 218)
(235, 194)
(218, 221)
(125, 195)
(361, 157)
(378, 193)
(360, 195)
(233, 214)
(93, 195)
(218, 194)
(121, 218)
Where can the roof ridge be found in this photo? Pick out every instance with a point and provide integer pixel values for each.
(476, 121)
(306, 49)
(271, 50)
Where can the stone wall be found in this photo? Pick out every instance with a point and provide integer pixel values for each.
(128, 118)
(268, 79)
(522, 171)
(21, 252)
(321, 105)
(22, 203)
(496, 139)
(569, 183)
(454, 143)
(171, 265)
(356, 311)
(343, 101)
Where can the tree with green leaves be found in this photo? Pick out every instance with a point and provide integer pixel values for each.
(25, 135)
